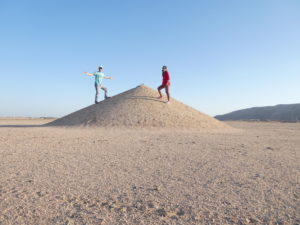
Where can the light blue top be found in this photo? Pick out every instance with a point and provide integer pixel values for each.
(98, 77)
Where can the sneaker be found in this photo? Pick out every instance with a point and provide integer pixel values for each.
(106, 97)
(168, 102)
(96, 102)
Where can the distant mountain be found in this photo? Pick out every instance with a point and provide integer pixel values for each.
(284, 113)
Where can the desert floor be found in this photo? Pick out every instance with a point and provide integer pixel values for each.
(52, 175)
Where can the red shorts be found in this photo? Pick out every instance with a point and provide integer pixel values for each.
(166, 84)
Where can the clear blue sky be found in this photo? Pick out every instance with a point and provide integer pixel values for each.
(222, 55)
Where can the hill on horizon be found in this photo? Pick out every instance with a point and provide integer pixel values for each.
(282, 113)
(139, 107)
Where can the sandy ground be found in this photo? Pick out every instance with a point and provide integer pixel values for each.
(110, 176)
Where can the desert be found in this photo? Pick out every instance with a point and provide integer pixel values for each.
(222, 173)
(150, 112)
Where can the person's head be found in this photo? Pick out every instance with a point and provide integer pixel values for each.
(164, 68)
(100, 68)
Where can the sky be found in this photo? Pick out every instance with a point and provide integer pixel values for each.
(221, 55)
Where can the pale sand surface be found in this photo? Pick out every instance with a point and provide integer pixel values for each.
(116, 176)
(22, 122)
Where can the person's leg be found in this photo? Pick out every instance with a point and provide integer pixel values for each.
(105, 91)
(159, 90)
(97, 93)
(168, 92)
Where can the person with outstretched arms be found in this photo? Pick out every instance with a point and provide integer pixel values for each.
(99, 76)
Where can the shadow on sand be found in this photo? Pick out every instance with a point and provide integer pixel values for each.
(146, 98)
(21, 126)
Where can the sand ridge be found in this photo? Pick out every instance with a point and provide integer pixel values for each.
(140, 107)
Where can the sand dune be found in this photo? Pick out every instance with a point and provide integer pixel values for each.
(139, 107)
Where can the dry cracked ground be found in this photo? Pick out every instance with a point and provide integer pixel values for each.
(110, 176)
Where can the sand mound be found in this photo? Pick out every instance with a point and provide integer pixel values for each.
(139, 107)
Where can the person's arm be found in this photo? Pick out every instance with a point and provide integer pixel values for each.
(89, 74)
(107, 77)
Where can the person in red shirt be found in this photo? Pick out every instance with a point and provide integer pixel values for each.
(165, 83)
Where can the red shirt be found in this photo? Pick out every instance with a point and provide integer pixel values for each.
(166, 78)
